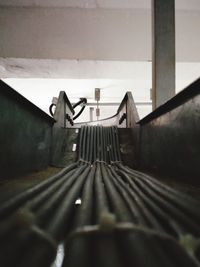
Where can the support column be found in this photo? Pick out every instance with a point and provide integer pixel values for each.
(91, 113)
(163, 51)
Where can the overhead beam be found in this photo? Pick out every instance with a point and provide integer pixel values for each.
(163, 51)
(93, 104)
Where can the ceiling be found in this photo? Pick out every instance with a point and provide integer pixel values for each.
(52, 29)
(180, 4)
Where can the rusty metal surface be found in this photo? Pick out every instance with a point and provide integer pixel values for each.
(169, 137)
(127, 147)
(64, 154)
(10, 93)
(25, 134)
(63, 111)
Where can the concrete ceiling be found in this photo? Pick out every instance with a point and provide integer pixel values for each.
(136, 4)
(79, 3)
(91, 34)
(94, 41)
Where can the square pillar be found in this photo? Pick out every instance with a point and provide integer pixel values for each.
(163, 51)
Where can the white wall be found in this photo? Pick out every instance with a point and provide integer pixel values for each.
(41, 92)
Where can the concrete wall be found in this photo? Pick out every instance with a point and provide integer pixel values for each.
(25, 135)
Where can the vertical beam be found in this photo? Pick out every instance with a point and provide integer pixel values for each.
(91, 113)
(163, 51)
